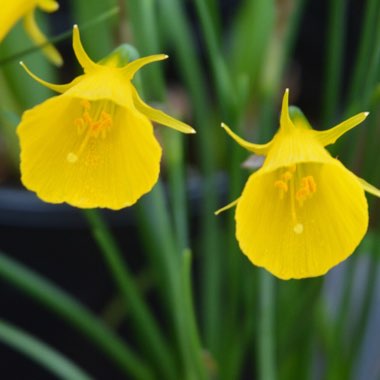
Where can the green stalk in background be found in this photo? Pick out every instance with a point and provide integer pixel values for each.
(97, 40)
(155, 223)
(266, 330)
(41, 353)
(180, 34)
(150, 336)
(14, 78)
(369, 27)
(250, 37)
(170, 246)
(74, 313)
(336, 33)
(15, 57)
(365, 79)
(277, 58)
(142, 15)
(146, 34)
(191, 320)
(360, 327)
(230, 107)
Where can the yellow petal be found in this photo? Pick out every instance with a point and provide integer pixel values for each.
(112, 171)
(331, 135)
(227, 207)
(55, 87)
(11, 12)
(298, 118)
(318, 235)
(39, 38)
(369, 188)
(260, 149)
(159, 116)
(48, 5)
(131, 68)
(286, 123)
(103, 83)
(292, 148)
(82, 57)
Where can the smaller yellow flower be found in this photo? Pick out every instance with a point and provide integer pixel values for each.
(13, 10)
(302, 212)
(93, 145)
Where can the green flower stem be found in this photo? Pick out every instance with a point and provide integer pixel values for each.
(339, 352)
(155, 223)
(370, 164)
(277, 59)
(372, 72)
(190, 315)
(176, 162)
(182, 38)
(361, 324)
(153, 218)
(146, 33)
(149, 332)
(334, 59)
(344, 306)
(63, 305)
(146, 36)
(61, 37)
(99, 40)
(164, 251)
(251, 33)
(41, 353)
(352, 150)
(266, 330)
(225, 91)
(231, 113)
(369, 26)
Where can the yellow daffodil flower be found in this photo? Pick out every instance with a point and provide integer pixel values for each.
(93, 145)
(13, 10)
(302, 212)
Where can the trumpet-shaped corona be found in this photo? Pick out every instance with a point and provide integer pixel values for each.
(302, 212)
(93, 145)
(14, 10)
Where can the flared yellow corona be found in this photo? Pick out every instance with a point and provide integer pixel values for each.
(12, 11)
(93, 145)
(302, 212)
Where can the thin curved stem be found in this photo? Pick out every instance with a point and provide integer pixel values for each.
(40, 352)
(65, 306)
(141, 317)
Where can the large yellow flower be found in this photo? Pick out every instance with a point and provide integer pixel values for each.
(13, 10)
(93, 145)
(302, 212)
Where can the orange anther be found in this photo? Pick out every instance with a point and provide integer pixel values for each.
(287, 176)
(281, 185)
(85, 104)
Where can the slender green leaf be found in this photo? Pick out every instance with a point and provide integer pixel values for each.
(40, 352)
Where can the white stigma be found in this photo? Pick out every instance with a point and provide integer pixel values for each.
(72, 158)
(298, 228)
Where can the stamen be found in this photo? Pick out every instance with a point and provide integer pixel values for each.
(311, 183)
(300, 190)
(80, 124)
(282, 186)
(287, 176)
(86, 105)
(96, 123)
